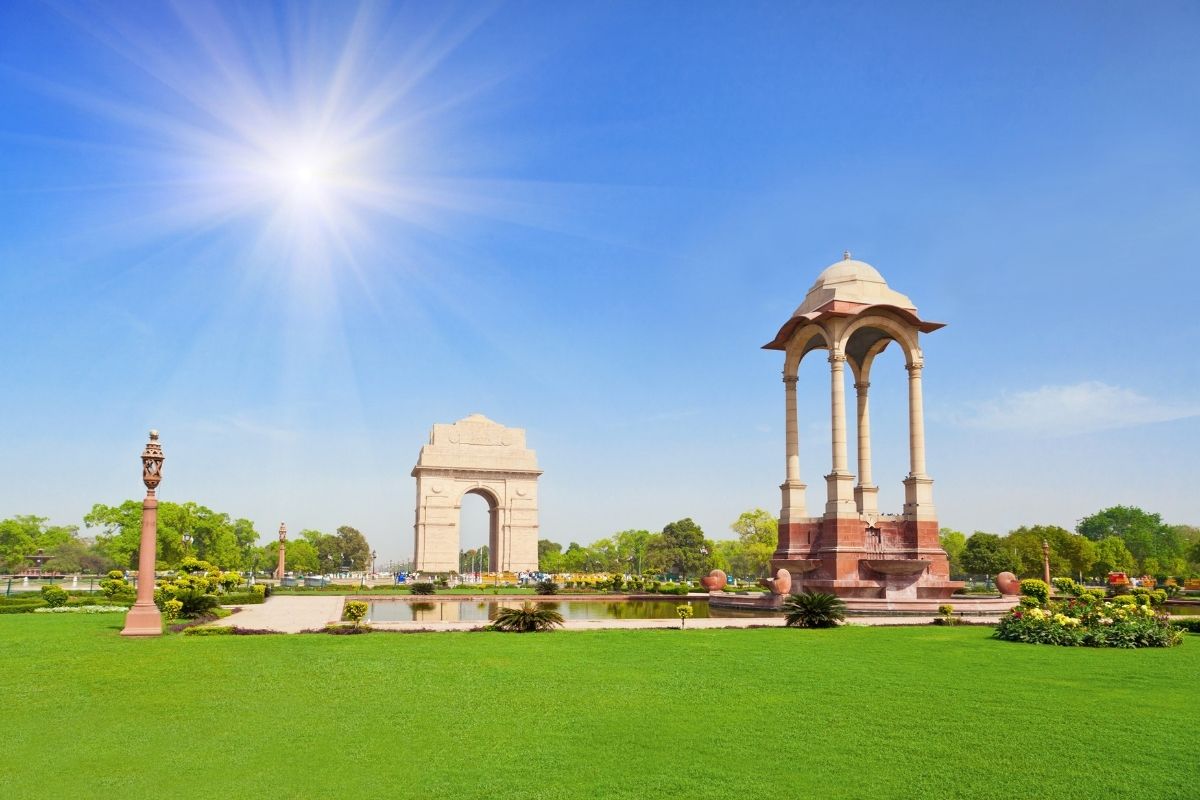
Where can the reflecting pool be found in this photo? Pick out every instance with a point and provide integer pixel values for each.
(452, 610)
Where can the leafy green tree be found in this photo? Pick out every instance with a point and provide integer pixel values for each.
(328, 547)
(758, 535)
(550, 556)
(79, 555)
(1070, 554)
(300, 557)
(473, 559)
(1144, 534)
(1113, 556)
(985, 554)
(736, 559)
(21, 536)
(681, 548)
(120, 532)
(354, 547)
(576, 558)
(953, 542)
(209, 535)
(632, 546)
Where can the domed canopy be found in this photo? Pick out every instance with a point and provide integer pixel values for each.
(851, 281)
(846, 289)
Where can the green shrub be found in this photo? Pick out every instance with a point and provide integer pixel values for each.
(422, 588)
(685, 612)
(546, 587)
(171, 609)
(814, 610)
(54, 595)
(1089, 624)
(230, 581)
(527, 618)
(1092, 594)
(115, 584)
(201, 630)
(1067, 586)
(194, 566)
(195, 602)
(241, 599)
(616, 583)
(355, 611)
(1036, 589)
(22, 608)
(1190, 624)
(1125, 600)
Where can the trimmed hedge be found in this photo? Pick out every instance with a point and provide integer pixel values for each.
(241, 598)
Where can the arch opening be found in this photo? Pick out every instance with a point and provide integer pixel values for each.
(478, 531)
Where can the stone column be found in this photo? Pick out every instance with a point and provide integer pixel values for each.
(840, 481)
(144, 618)
(793, 489)
(866, 494)
(918, 487)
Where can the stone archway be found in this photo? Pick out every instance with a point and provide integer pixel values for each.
(476, 456)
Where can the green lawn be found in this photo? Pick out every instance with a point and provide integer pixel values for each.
(856, 712)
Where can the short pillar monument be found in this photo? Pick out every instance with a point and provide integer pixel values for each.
(853, 550)
(144, 618)
(282, 550)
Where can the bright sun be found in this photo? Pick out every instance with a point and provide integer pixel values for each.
(303, 175)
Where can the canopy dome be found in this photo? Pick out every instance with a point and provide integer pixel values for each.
(851, 281)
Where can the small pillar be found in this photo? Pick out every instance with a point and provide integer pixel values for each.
(279, 570)
(840, 481)
(792, 488)
(866, 494)
(918, 487)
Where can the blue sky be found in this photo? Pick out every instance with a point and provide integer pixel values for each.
(294, 236)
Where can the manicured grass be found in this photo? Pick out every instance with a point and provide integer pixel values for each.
(923, 712)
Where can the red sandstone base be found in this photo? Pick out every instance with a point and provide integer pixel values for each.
(890, 558)
(143, 620)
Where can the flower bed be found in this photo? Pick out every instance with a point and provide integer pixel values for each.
(1089, 621)
(92, 609)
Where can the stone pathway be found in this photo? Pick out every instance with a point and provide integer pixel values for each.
(287, 614)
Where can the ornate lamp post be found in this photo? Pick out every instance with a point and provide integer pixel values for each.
(1046, 561)
(187, 543)
(372, 563)
(282, 548)
(144, 618)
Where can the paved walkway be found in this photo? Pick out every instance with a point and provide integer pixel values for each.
(287, 614)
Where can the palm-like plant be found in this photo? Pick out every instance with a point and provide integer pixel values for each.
(814, 610)
(529, 617)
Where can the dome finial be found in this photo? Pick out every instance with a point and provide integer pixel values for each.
(845, 255)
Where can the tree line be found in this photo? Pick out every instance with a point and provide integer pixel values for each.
(1117, 539)
(680, 548)
(184, 529)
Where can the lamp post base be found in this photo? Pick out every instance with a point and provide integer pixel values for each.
(144, 619)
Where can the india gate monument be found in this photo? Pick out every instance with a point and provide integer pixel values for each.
(476, 456)
(850, 548)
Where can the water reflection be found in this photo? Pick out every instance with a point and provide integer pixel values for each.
(482, 611)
